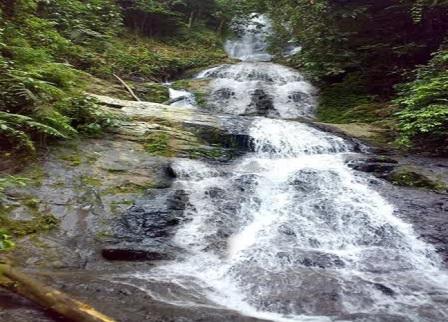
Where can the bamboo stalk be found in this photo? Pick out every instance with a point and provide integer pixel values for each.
(128, 88)
(59, 302)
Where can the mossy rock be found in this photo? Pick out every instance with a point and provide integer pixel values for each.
(159, 144)
(127, 188)
(38, 221)
(199, 87)
(410, 178)
(151, 92)
(107, 88)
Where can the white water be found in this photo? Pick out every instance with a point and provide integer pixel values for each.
(289, 232)
(259, 88)
(251, 45)
(187, 98)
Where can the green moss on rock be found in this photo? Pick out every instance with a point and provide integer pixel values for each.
(73, 160)
(152, 92)
(158, 143)
(40, 221)
(126, 188)
(410, 178)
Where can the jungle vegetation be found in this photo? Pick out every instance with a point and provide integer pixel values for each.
(51, 49)
(383, 61)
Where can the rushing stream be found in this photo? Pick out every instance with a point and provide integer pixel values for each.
(289, 232)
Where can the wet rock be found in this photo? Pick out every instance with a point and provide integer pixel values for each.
(376, 165)
(384, 289)
(246, 183)
(299, 97)
(134, 254)
(312, 259)
(155, 218)
(236, 142)
(366, 317)
(261, 103)
(288, 231)
(313, 293)
(310, 180)
(170, 172)
(380, 169)
(411, 178)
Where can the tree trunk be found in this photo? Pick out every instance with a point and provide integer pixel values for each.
(48, 297)
(221, 26)
(191, 20)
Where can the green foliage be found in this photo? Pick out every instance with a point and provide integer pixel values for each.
(6, 242)
(158, 143)
(45, 44)
(411, 178)
(10, 181)
(87, 116)
(338, 101)
(424, 102)
(20, 129)
(380, 39)
(159, 60)
(379, 43)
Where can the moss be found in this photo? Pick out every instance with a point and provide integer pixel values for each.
(73, 160)
(158, 143)
(21, 228)
(349, 102)
(91, 181)
(35, 173)
(201, 99)
(199, 87)
(152, 92)
(32, 203)
(208, 153)
(410, 178)
(115, 206)
(183, 84)
(102, 235)
(40, 221)
(59, 184)
(128, 187)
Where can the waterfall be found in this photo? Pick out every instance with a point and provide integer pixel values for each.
(251, 45)
(288, 232)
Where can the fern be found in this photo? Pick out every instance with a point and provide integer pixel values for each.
(15, 128)
(19, 137)
(59, 122)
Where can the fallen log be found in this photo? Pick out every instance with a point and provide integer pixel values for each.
(26, 286)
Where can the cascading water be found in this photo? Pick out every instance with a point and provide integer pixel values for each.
(289, 232)
(180, 98)
(251, 45)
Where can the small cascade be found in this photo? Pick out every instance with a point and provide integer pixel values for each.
(251, 45)
(182, 98)
(263, 89)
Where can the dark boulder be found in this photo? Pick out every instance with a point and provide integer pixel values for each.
(262, 103)
(133, 254)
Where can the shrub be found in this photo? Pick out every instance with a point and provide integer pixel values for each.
(423, 118)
